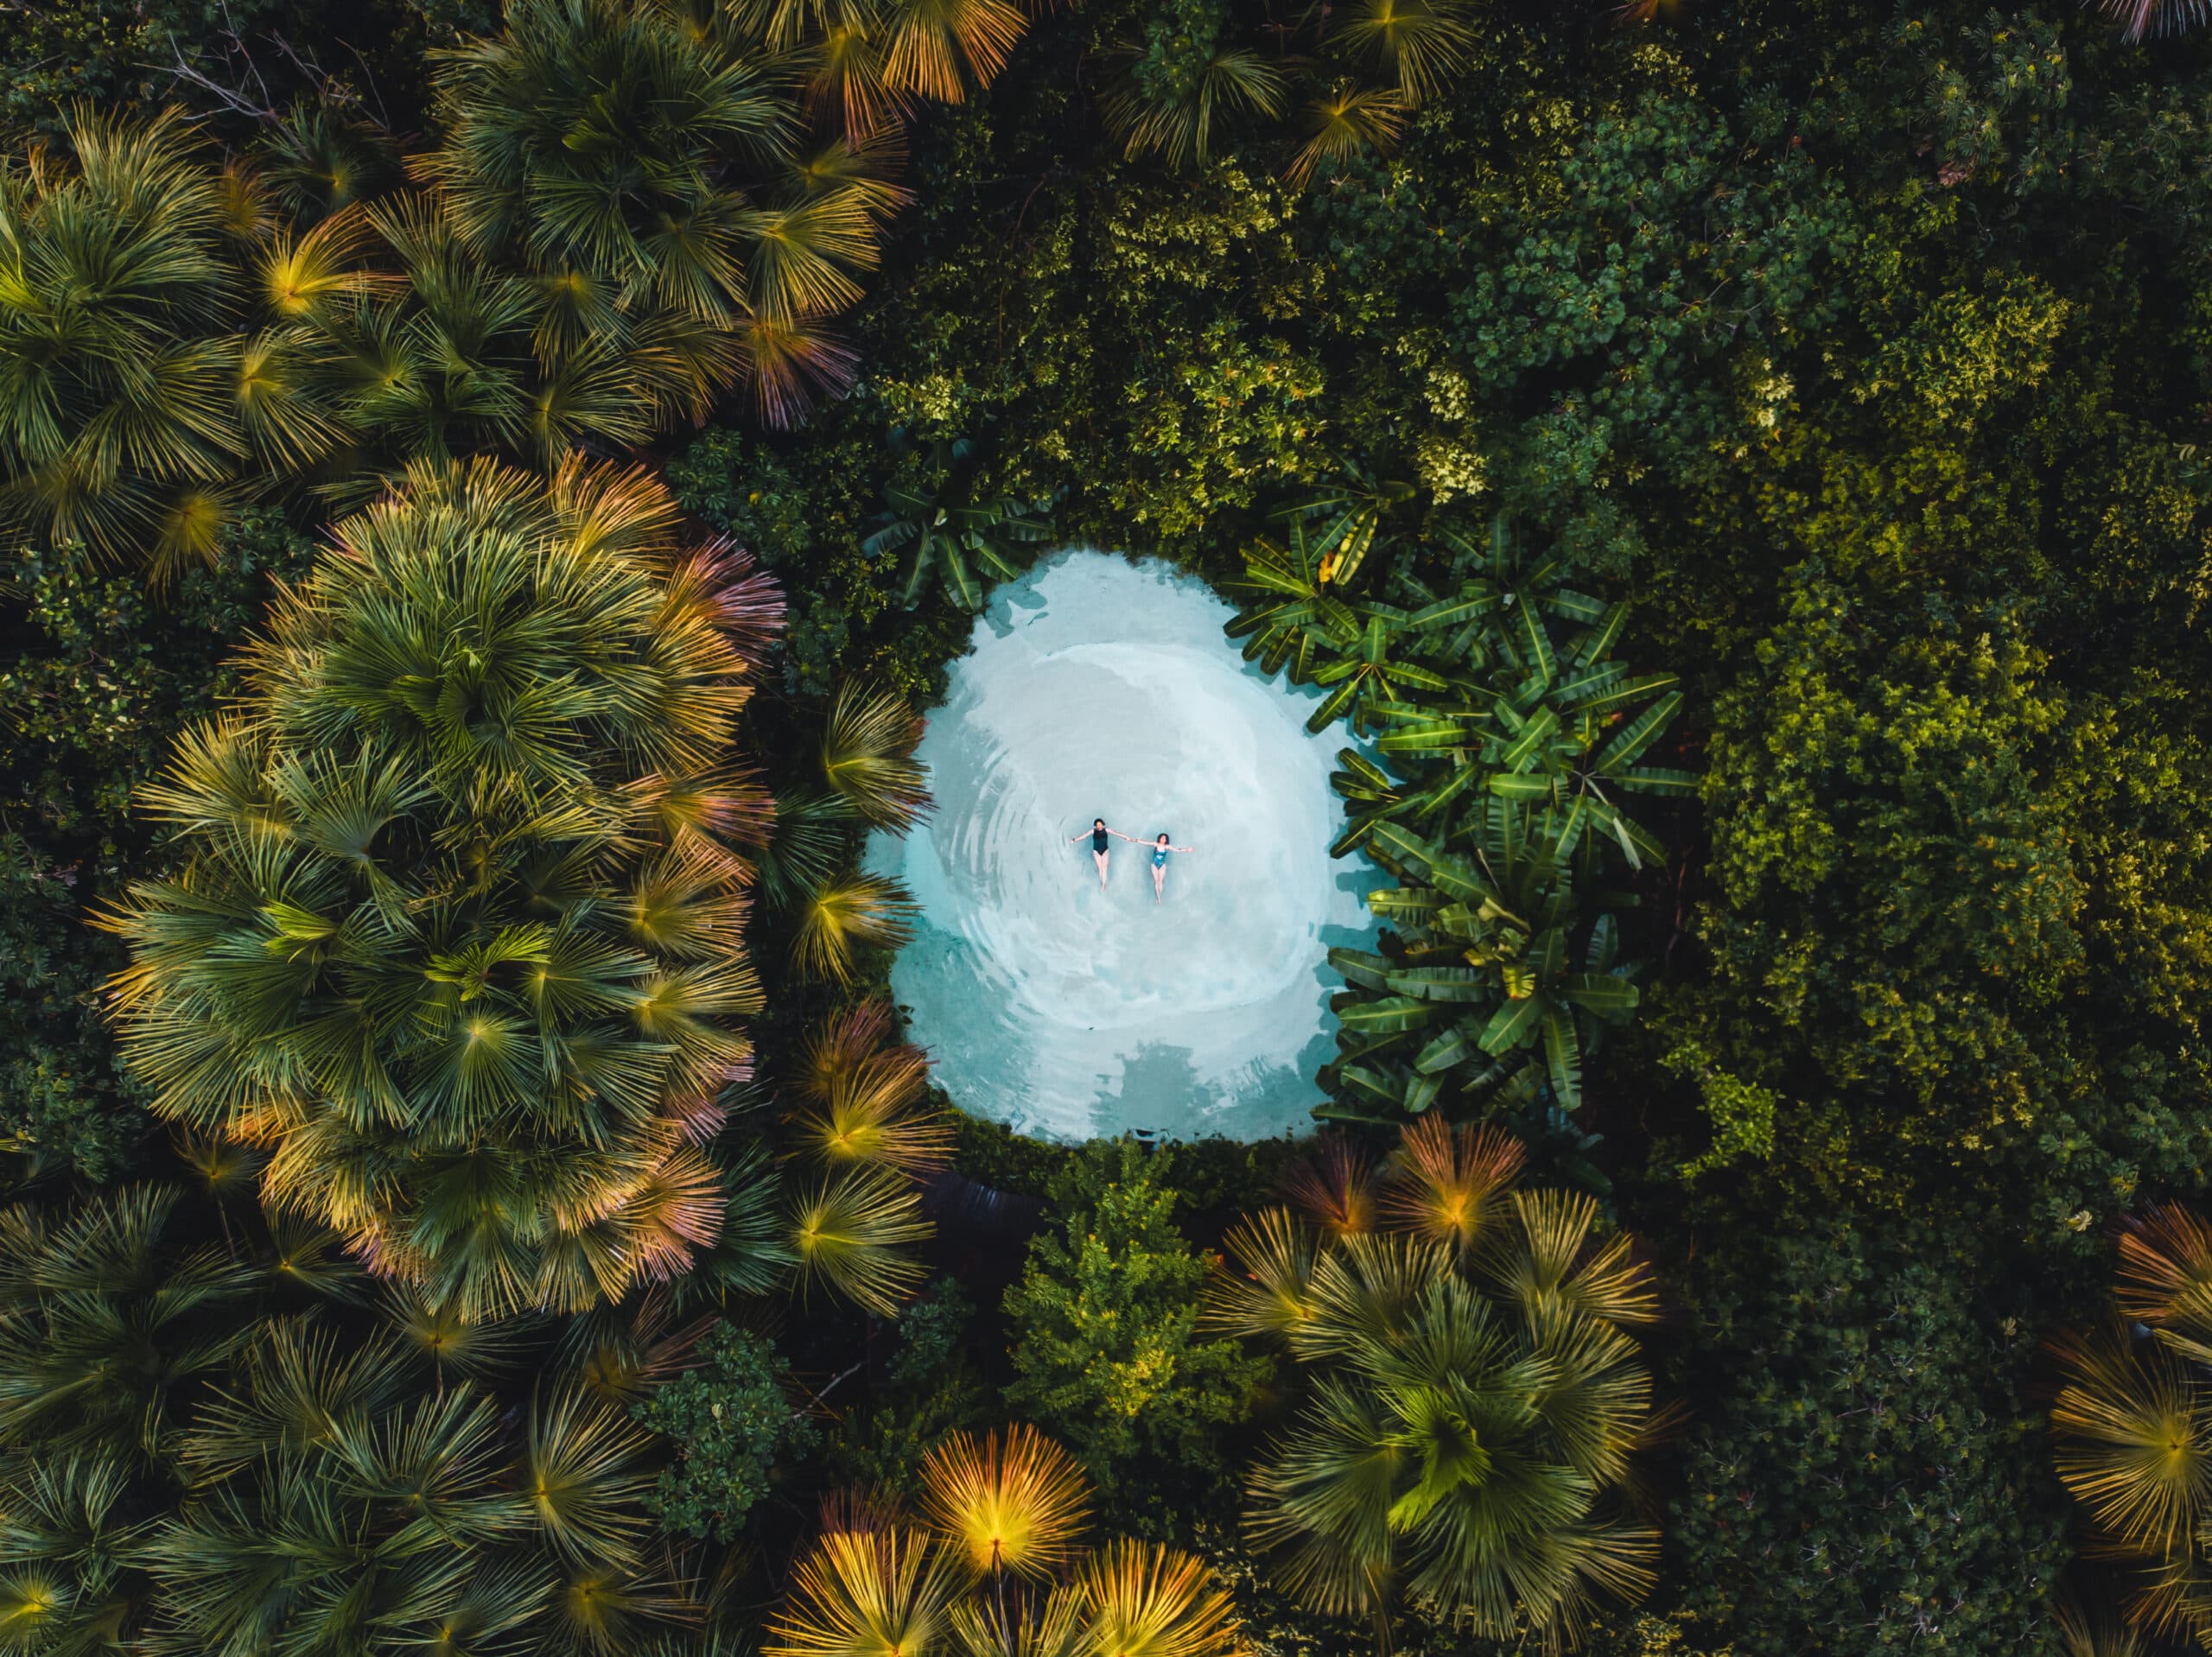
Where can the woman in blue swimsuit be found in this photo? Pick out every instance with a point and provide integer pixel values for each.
(1159, 850)
(1098, 833)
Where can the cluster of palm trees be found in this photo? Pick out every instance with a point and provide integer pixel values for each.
(456, 938)
(1346, 78)
(635, 206)
(1471, 1401)
(1502, 739)
(196, 1454)
(992, 1566)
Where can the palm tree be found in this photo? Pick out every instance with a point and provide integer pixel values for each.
(1343, 121)
(344, 1503)
(1473, 1400)
(845, 914)
(71, 1584)
(109, 1316)
(616, 151)
(455, 928)
(1418, 44)
(868, 757)
(131, 392)
(849, 1232)
(879, 1591)
(1013, 1505)
(2133, 1423)
(865, 1097)
(1169, 110)
(1143, 1600)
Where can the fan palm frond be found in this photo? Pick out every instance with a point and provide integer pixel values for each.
(1144, 1600)
(2133, 1443)
(848, 1233)
(1346, 120)
(1269, 1291)
(846, 914)
(867, 756)
(1016, 1505)
(1420, 44)
(865, 1096)
(876, 1592)
(1448, 1185)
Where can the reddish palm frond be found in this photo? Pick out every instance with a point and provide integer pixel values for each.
(2165, 1269)
(1444, 1184)
(793, 363)
(1337, 1189)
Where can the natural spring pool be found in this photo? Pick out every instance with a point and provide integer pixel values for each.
(1098, 686)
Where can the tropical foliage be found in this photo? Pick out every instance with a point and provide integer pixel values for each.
(2130, 1422)
(1107, 1347)
(1473, 1401)
(1503, 742)
(993, 1568)
(457, 931)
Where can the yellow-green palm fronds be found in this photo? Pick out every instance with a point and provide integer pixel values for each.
(1548, 1264)
(848, 1233)
(865, 1096)
(1012, 1504)
(1144, 1600)
(1345, 121)
(1420, 44)
(844, 915)
(935, 48)
(2134, 1441)
(1269, 1290)
(866, 1592)
(867, 756)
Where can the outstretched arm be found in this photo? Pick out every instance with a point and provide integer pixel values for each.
(1118, 834)
(1085, 835)
(1182, 848)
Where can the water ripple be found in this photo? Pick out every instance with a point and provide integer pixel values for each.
(1101, 687)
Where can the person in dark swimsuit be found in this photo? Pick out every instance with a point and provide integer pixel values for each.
(1159, 850)
(1098, 833)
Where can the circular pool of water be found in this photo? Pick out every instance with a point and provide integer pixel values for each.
(1102, 687)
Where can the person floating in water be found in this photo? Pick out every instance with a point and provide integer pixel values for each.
(1159, 850)
(1098, 833)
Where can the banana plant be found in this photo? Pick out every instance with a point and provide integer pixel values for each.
(1361, 512)
(964, 540)
(1498, 984)
(1293, 620)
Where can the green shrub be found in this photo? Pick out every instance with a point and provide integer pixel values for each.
(731, 1427)
(1862, 1473)
(1107, 1352)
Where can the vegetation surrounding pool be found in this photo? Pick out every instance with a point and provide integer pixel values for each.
(562, 1055)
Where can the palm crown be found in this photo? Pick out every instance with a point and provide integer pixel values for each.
(458, 933)
(1471, 1399)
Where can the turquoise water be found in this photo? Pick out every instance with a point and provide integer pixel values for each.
(1100, 687)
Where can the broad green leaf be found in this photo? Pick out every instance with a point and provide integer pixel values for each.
(1513, 1025)
(1639, 733)
(1609, 998)
(1453, 1046)
(1362, 968)
(1389, 1014)
(1462, 984)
